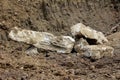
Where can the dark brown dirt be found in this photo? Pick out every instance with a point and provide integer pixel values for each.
(56, 16)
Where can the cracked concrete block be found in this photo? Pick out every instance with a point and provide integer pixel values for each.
(43, 40)
(82, 30)
(80, 44)
(97, 51)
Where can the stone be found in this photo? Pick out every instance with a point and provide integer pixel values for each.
(97, 51)
(82, 30)
(80, 44)
(43, 40)
(63, 44)
(93, 51)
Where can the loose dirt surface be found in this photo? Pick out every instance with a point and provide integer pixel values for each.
(57, 16)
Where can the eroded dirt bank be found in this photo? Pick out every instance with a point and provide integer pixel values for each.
(56, 16)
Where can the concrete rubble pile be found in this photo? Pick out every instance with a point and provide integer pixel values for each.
(82, 34)
(86, 35)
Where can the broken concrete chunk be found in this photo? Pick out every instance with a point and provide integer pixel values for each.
(30, 37)
(97, 51)
(65, 42)
(43, 40)
(93, 51)
(80, 44)
(60, 44)
(82, 30)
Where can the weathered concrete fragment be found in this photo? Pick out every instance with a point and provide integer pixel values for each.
(97, 51)
(80, 44)
(82, 30)
(43, 40)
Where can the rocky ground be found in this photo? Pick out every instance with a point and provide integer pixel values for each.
(57, 16)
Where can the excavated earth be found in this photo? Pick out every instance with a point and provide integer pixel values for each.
(57, 16)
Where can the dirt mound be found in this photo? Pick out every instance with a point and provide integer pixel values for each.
(56, 16)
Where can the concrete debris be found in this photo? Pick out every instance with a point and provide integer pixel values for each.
(43, 40)
(82, 30)
(86, 44)
(80, 44)
(64, 44)
(97, 51)
(93, 51)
